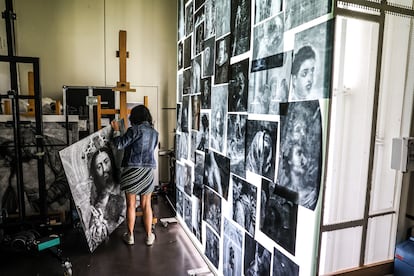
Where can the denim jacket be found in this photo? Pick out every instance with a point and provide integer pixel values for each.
(138, 143)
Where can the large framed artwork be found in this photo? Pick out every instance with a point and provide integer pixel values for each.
(92, 168)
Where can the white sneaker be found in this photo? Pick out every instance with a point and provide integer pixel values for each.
(150, 239)
(128, 239)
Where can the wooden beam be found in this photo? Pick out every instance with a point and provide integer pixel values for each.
(381, 268)
(146, 101)
(98, 113)
(58, 110)
(122, 85)
(7, 107)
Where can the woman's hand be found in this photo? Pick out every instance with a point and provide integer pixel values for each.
(115, 125)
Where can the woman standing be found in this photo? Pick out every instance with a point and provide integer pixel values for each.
(137, 176)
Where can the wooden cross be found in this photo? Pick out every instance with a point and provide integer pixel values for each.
(122, 85)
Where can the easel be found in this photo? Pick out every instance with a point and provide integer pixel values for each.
(123, 87)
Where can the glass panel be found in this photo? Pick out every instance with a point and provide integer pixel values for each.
(351, 117)
(390, 112)
(379, 247)
(4, 77)
(340, 250)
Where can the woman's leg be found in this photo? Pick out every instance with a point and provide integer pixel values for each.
(130, 212)
(145, 201)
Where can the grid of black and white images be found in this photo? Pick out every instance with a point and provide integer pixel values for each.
(251, 78)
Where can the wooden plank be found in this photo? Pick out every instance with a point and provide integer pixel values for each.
(122, 56)
(380, 268)
(123, 107)
(146, 101)
(58, 110)
(99, 113)
(7, 107)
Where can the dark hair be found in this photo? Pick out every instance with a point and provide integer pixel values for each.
(304, 53)
(140, 114)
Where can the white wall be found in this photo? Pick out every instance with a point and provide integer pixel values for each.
(77, 41)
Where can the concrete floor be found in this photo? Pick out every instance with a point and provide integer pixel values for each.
(172, 253)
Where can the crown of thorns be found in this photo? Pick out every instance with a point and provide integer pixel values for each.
(95, 143)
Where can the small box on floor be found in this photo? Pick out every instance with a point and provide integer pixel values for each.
(404, 258)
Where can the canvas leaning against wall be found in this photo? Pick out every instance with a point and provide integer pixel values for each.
(92, 168)
(56, 137)
(254, 80)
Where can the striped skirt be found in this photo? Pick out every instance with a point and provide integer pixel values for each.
(139, 181)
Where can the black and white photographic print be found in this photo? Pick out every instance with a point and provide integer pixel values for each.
(180, 175)
(180, 202)
(185, 113)
(244, 204)
(209, 18)
(199, 38)
(268, 88)
(198, 174)
(221, 70)
(195, 110)
(222, 17)
(212, 209)
(219, 97)
(268, 37)
(92, 169)
(180, 88)
(217, 173)
(236, 143)
(208, 56)
(240, 26)
(301, 151)
(187, 52)
(206, 93)
(312, 63)
(182, 146)
(188, 211)
(180, 55)
(239, 86)
(257, 259)
(187, 75)
(212, 247)
(189, 23)
(197, 218)
(259, 93)
(298, 12)
(181, 21)
(261, 145)
(278, 214)
(195, 83)
(178, 145)
(178, 116)
(199, 16)
(266, 8)
(194, 141)
(232, 249)
(188, 179)
(282, 265)
(204, 131)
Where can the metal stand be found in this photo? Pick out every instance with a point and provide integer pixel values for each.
(25, 236)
